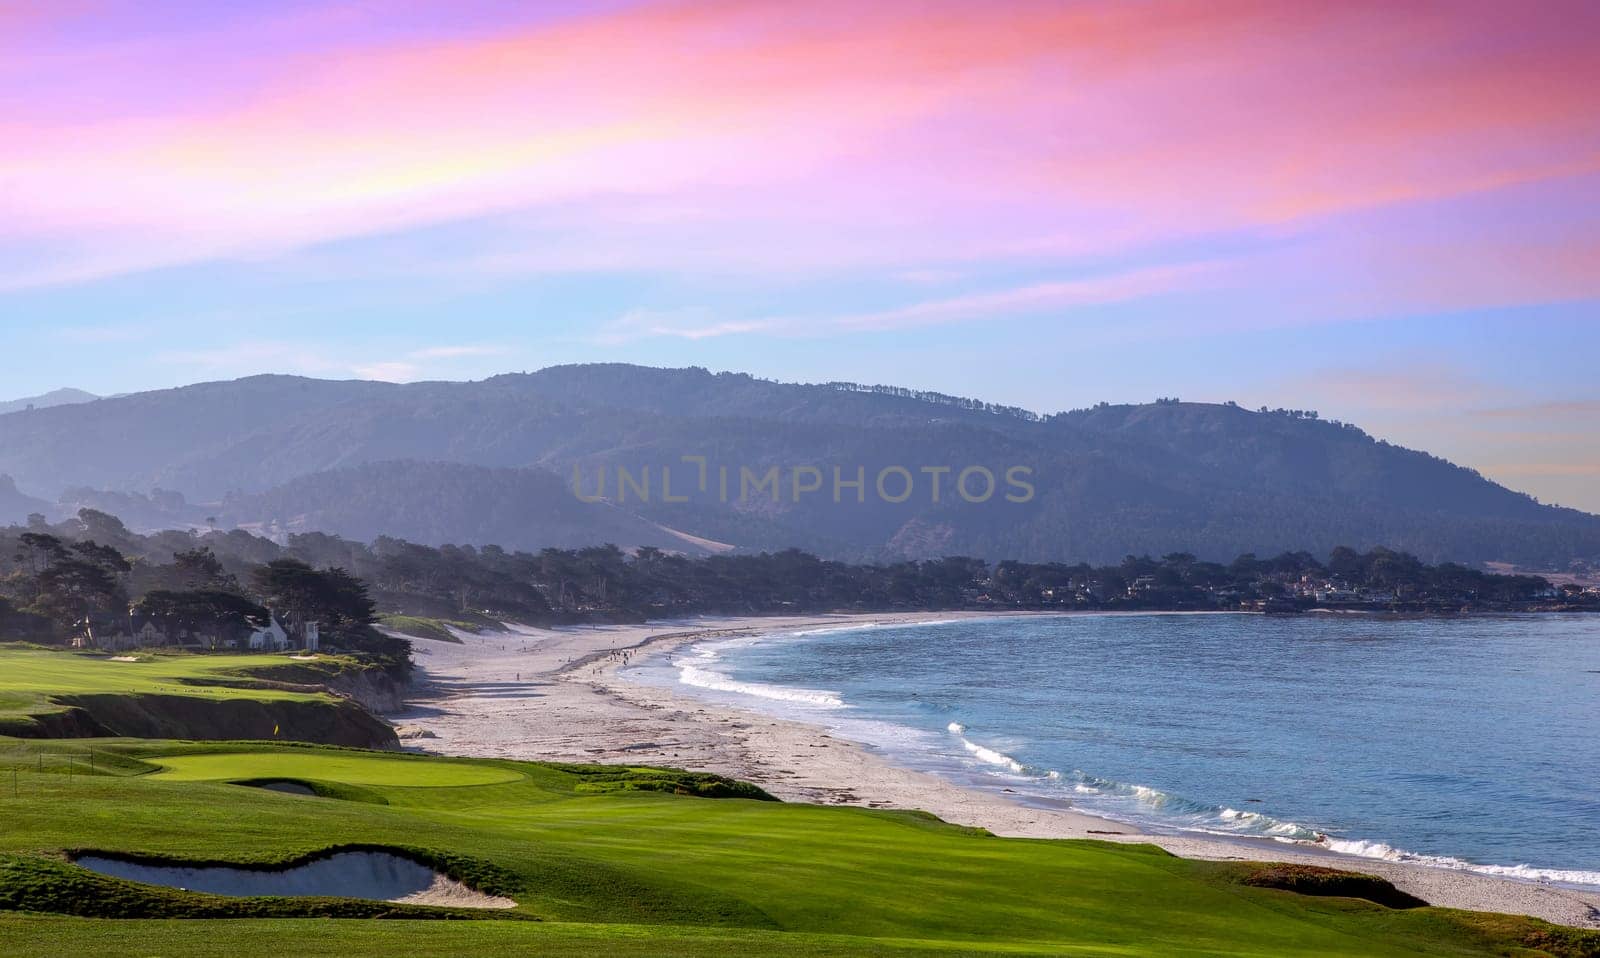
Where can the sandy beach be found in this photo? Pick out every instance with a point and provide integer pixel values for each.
(555, 694)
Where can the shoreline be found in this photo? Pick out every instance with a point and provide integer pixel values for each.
(556, 694)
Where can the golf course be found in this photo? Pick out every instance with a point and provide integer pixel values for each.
(560, 859)
(46, 693)
(632, 861)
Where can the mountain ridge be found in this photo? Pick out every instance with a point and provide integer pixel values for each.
(66, 396)
(353, 456)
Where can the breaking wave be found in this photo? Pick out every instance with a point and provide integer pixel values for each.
(992, 757)
(990, 761)
(857, 627)
(696, 670)
(1382, 852)
(1142, 805)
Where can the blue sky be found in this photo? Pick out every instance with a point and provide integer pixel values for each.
(1391, 216)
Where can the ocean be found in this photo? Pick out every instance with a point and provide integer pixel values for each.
(1465, 742)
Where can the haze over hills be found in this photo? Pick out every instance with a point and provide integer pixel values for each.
(493, 462)
(14, 504)
(56, 397)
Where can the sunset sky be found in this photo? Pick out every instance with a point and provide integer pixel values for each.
(1389, 212)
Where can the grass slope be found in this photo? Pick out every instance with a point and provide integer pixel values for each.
(49, 693)
(641, 871)
(350, 768)
(423, 627)
(34, 676)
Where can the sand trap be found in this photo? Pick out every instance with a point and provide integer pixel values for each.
(124, 658)
(288, 788)
(378, 876)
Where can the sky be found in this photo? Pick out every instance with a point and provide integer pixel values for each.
(1388, 212)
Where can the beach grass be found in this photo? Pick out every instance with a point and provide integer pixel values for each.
(646, 871)
(425, 627)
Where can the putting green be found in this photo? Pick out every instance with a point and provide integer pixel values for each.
(349, 769)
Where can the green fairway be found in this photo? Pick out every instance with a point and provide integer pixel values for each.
(33, 677)
(47, 693)
(607, 866)
(352, 769)
(72, 938)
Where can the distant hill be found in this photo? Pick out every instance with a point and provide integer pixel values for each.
(58, 397)
(436, 503)
(15, 506)
(364, 458)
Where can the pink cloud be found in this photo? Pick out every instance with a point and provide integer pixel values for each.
(1582, 409)
(1061, 297)
(828, 134)
(1410, 386)
(1547, 468)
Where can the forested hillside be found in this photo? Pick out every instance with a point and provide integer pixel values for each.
(54, 578)
(495, 461)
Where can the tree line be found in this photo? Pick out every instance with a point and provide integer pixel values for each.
(54, 577)
(58, 583)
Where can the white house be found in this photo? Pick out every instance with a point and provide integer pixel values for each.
(148, 635)
(273, 637)
(115, 633)
(269, 638)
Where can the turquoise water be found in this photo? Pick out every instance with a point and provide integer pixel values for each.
(1469, 742)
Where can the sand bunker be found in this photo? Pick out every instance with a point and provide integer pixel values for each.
(379, 876)
(288, 788)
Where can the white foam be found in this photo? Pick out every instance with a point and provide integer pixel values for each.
(828, 630)
(716, 681)
(1174, 812)
(1255, 821)
(867, 627)
(1119, 801)
(1383, 852)
(992, 757)
(1564, 876)
(696, 671)
(983, 753)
